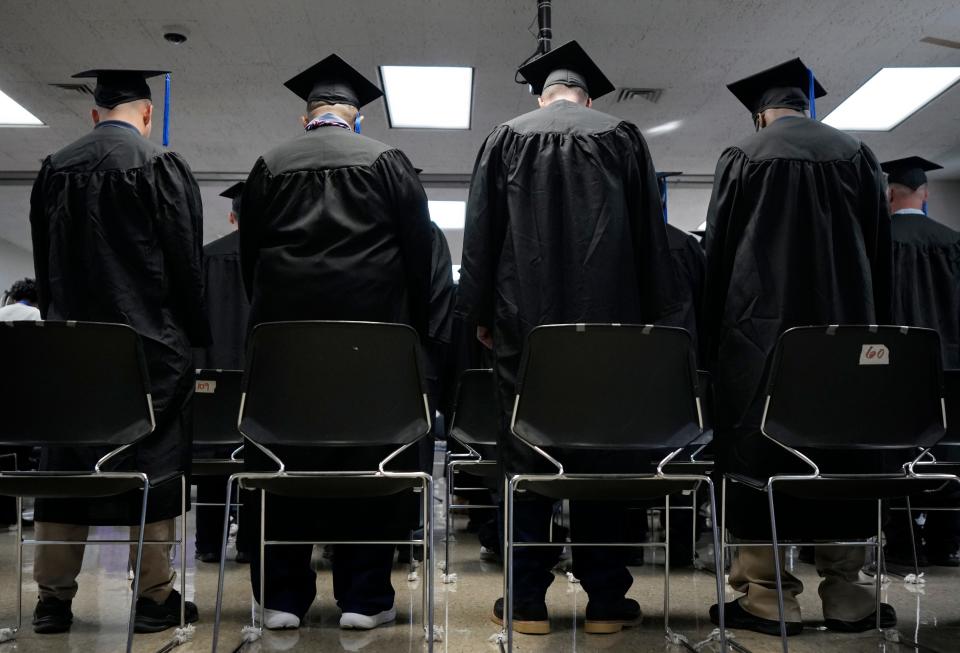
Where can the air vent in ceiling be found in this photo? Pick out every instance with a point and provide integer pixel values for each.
(82, 89)
(946, 43)
(649, 94)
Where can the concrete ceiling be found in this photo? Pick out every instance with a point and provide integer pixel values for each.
(229, 105)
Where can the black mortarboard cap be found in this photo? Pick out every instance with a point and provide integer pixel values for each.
(234, 191)
(116, 86)
(910, 171)
(334, 81)
(785, 86)
(569, 65)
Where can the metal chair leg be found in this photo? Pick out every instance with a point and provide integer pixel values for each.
(449, 515)
(776, 567)
(183, 551)
(879, 586)
(428, 559)
(666, 566)
(136, 565)
(508, 567)
(20, 564)
(722, 571)
(223, 562)
(913, 541)
(718, 561)
(263, 558)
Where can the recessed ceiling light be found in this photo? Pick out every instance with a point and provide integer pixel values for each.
(448, 214)
(664, 128)
(14, 115)
(428, 97)
(890, 97)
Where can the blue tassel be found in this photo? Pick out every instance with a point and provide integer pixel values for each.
(812, 96)
(663, 201)
(166, 110)
(925, 207)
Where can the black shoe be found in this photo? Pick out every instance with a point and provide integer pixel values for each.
(736, 617)
(207, 557)
(904, 558)
(243, 558)
(529, 618)
(606, 617)
(52, 616)
(888, 619)
(945, 559)
(152, 617)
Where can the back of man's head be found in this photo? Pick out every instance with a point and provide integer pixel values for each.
(138, 113)
(903, 197)
(24, 290)
(346, 112)
(556, 92)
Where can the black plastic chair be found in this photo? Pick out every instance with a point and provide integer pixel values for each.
(302, 386)
(77, 385)
(621, 388)
(850, 389)
(474, 427)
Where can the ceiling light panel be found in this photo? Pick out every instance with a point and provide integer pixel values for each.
(890, 97)
(448, 214)
(428, 97)
(14, 115)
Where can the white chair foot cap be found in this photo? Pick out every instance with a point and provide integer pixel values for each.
(184, 635)
(437, 633)
(249, 634)
(448, 578)
(412, 577)
(357, 621)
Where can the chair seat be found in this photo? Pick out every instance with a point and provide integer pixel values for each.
(873, 487)
(604, 489)
(59, 485)
(215, 467)
(292, 485)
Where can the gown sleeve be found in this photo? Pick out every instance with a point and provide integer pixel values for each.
(39, 229)
(252, 221)
(180, 230)
(412, 219)
(484, 232)
(726, 220)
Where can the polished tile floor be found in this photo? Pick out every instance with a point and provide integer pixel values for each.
(930, 614)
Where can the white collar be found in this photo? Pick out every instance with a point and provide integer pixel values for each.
(909, 212)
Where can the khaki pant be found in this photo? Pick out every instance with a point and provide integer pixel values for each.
(843, 596)
(56, 566)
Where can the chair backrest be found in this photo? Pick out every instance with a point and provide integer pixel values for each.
(333, 384)
(476, 416)
(951, 397)
(216, 405)
(608, 387)
(856, 387)
(72, 383)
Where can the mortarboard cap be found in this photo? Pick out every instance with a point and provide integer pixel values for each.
(784, 86)
(234, 191)
(334, 81)
(910, 171)
(119, 86)
(569, 65)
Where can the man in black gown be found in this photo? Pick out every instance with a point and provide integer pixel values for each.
(926, 258)
(117, 237)
(797, 233)
(335, 227)
(563, 225)
(229, 312)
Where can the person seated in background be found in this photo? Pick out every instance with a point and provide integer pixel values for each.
(20, 302)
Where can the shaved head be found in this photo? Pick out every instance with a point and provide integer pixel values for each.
(562, 92)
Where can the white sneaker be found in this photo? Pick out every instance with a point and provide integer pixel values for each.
(355, 620)
(277, 619)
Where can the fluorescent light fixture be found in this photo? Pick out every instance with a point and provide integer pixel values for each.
(448, 214)
(890, 97)
(456, 274)
(14, 115)
(428, 97)
(665, 127)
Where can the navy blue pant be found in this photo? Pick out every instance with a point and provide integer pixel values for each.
(602, 571)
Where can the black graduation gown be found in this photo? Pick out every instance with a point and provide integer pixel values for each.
(563, 225)
(926, 257)
(798, 233)
(691, 265)
(335, 227)
(117, 237)
(227, 305)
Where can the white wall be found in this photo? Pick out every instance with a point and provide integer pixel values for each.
(944, 202)
(15, 263)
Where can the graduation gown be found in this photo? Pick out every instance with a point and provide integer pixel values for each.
(798, 233)
(227, 305)
(926, 257)
(117, 237)
(689, 259)
(335, 227)
(563, 225)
